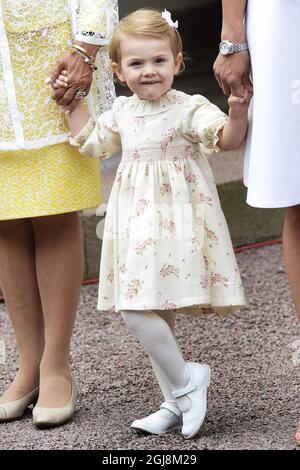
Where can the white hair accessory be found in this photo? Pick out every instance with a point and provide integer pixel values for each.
(167, 16)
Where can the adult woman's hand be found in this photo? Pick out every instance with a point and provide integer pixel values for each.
(233, 73)
(80, 75)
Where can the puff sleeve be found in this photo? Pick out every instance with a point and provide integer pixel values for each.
(95, 20)
(100, 139)
(202, 122)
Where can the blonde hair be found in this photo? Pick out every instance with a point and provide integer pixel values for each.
(144, 22)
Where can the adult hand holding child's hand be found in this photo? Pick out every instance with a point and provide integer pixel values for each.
(80, 77)
(233, 73)
(238, 106)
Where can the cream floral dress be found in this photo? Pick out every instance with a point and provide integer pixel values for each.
(166, 243)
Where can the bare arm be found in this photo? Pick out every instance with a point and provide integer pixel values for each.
(232, 72)
(234, 132)
(77, 119)
(233, 16)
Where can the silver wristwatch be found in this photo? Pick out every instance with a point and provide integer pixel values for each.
(228, 47)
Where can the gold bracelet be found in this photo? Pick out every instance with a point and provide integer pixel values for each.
(83, 53)
(81, 49)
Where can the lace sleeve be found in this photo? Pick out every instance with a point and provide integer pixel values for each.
(94, 20)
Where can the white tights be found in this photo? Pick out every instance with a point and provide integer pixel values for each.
(155, 330)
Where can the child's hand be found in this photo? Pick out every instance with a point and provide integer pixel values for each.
(79, 115)
(61, 81)
(238, 107)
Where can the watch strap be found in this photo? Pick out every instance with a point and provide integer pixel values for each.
(239, 47)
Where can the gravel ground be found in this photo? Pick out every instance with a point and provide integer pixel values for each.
(254, 394)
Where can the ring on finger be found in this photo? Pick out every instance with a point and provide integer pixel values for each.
(81, 94)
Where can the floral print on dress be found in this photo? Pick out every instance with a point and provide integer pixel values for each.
(211, 235)
(84, 133)
(82, 139)
(110, 277)
(124, 235)
(118, 177)
(123, 268)
(195, 135)
(136, 155)
(140, 207)
(168, 305)
(206, 199)
(206, 262)
(177, 166)
(169, 225)
(167, 140)
(191, 178)
(165, 189)
(178, 98)
(190, 153)
(204, 281)
(131, 190)
(140, 122)
(217, 278)
(199, 222)
(168, 270)
(197, 243)
(133, 288)
(141, 247)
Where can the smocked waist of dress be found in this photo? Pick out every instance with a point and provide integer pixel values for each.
(160, 153)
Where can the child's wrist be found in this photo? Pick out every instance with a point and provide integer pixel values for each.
(239, 115)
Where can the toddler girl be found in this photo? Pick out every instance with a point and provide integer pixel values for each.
(166, 246)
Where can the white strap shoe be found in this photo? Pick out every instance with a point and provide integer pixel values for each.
(15, 409)
(166, 419)
(191, 399)
(46, 417)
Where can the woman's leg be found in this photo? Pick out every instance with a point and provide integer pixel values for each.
(155, 335)
(19, 284)
(291, 249)
(59, 268)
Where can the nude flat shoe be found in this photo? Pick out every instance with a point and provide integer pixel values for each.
(15, 409)
(160, 423)
(47, 417)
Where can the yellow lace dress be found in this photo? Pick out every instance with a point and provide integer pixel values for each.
(40, 173)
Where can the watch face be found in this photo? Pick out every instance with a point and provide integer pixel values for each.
(225, 47)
